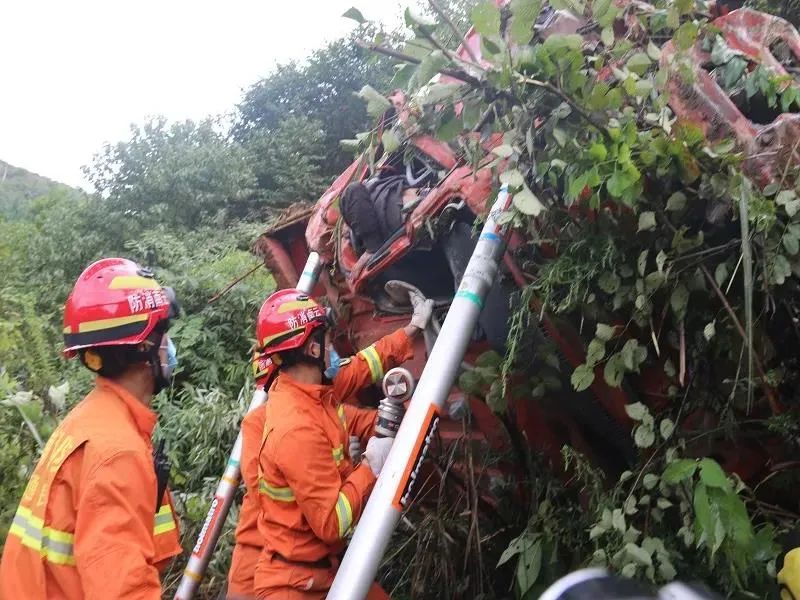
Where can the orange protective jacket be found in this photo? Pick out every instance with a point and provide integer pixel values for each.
(87, 525)
(309, 493)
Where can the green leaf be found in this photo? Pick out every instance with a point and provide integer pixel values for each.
(631, 355)
(650, 481)
(618, 520)
(710, 330)
(517, 546)
(647, 221)
(666, 427)
(560, 41)
(604, 332)
(614, 371)
(676, 202)
(432, 61)
(686, 35)
(641, 262)
(496, 399)
(721, 273)
(414, 17)
(704, 521)
(653, 51)
(678, 470)
(513, 178)
(679, 300)
(636, 411)
(644, 436)
(619, 183)
(489, 360)
(712, 474)
(503, 151)
(529, 567)
(582, 377)
(607, 36)
(376, 103)
(390, 141)
(354, 14)
(524, 14)
(470, 382)
(609, 282)
(560, 136)
(791, 243)
(639, 555)
(595, 352)
(486, 19)
(598, 152)
(772, 188)
(436, 92)
(526, 202)
(638, 63)
(661, 260)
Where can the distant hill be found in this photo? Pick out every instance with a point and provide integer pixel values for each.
(18, 187)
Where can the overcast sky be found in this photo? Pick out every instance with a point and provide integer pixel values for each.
(77, 73)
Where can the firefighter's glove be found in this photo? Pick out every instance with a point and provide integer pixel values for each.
(789, 573)
(355, 449)
(376, 453)
(422, 314)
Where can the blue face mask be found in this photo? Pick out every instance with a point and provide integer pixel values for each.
(335, 361)
(172, 360)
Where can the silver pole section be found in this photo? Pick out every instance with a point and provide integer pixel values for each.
(226, 488)
(396, 484)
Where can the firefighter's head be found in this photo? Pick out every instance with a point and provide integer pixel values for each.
(116, 320)
(291, 330)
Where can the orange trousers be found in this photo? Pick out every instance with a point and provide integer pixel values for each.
(278, 580)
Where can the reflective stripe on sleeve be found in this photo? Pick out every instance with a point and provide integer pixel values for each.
(344, 514)
(53, 545)
(338, 454)
(164, 520)
(281, 494)
(373, 362)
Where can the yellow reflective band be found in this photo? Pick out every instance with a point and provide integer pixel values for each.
(53, 545)
(164, 520)
(266, 341)
(338, 454)
(109, 323)
(374, 362)
(296, 305)
(342, 417)
(133, 282)
(344, 514)
(281, 494)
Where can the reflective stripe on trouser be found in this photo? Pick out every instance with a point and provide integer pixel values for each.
(344, 514)
(165, 521)
(53, 545)
(373, 362)
(281, 494)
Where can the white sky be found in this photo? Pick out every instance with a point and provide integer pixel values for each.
(77, 73)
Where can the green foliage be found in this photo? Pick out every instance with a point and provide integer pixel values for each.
(18, 187)
(651, 243)
(182, 174)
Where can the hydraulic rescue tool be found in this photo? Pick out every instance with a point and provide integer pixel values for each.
(395, 485)
(226, 488)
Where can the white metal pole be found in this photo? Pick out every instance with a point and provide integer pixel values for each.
(226, 488)
(397, 480)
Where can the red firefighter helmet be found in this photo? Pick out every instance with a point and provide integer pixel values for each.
(286, 320)
(114, 302)
(263, 369)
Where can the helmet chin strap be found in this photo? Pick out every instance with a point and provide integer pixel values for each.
(319, 361)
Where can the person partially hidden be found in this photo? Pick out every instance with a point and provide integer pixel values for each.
(374, 212)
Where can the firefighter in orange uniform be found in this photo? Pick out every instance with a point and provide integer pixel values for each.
(95, 521)
(310, 493)
(348, 376)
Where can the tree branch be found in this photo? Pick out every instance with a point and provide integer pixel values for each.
(234, 282)
(438, 10)
(554, 90)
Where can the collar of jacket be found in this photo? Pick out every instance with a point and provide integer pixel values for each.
(143, 416)
(319, 393)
